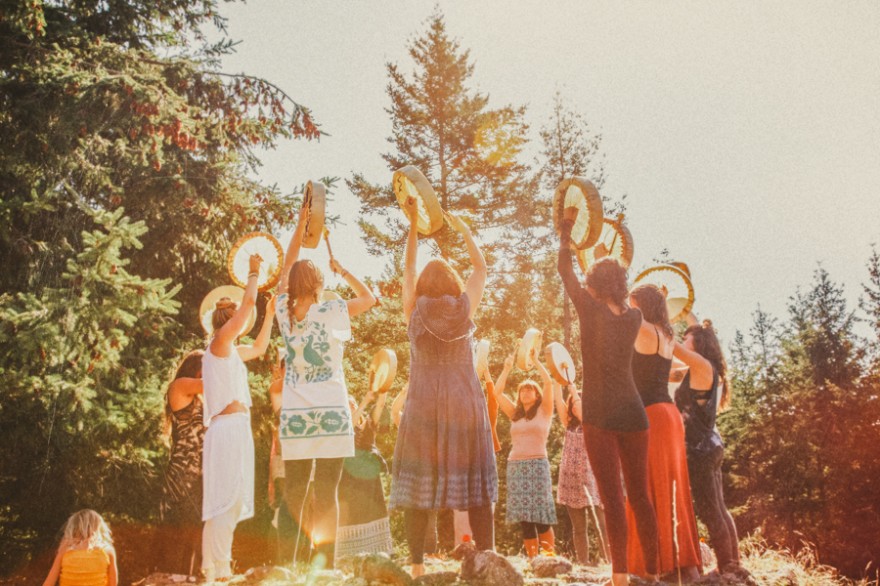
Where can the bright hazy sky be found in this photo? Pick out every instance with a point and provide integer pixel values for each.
(746, 134)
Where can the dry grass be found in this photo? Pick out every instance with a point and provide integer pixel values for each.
(775, 567)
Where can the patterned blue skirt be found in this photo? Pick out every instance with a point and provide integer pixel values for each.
(530, 492)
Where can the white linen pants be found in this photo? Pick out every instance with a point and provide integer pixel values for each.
(228, 484)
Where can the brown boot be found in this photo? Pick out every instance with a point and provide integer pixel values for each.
(548, 542)
(531, 546)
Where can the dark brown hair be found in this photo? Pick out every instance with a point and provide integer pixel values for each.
(607, 278)
(573, 420)
(224, 309)
(706, 344)
(190, 366)
(652, 304)
(305, 279)
(520, 411)
(437, 279)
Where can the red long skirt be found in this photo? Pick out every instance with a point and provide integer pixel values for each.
(667, 475)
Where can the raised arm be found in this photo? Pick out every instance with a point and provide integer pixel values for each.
(368, 398)
(409, 263)
(561, 407)
(564, 264)
(547, 390)
(577, 407)
(397, 406)
(364, 298)
(700, 368)
(261, 343)
(221, 344)
(507, 406)
(292, 254)
(477, 280)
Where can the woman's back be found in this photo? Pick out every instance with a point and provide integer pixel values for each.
(84, 567)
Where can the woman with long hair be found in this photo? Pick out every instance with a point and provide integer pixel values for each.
(614, 419)
(668, 480)
(444, 457)
(315, 422)
(228, 454)
(577, 489)
(181, 504)
(529, 486)
(703, 392)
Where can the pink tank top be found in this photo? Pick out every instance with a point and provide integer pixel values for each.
(529, 437)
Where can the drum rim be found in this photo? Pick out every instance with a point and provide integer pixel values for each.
(274, 276)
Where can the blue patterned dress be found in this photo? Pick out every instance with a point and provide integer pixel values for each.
(444, 457)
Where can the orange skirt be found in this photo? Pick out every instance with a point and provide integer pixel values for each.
(667, 476)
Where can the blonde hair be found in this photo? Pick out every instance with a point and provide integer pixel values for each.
(87, 526)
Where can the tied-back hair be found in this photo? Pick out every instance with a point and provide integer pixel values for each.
(88, 527)
(437, 279)
(652, 304)
(190, 366)
(520, 411)
(224, 309)
(607, 278)
(706, 344)
(304, 280)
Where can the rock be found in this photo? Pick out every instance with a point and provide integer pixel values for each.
(436, 579)
(463, 550)
(550, 566)
(275, 573)
(707, 556)
(487, 568)
(375, 567)
(160, 579)
(588, 575)
(355, 581)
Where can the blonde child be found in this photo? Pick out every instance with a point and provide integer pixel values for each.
(86, 556)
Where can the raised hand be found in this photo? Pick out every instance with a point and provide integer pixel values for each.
(411, 207)
(570, 214)
(336, 267)
(601, 251)
(254, 263)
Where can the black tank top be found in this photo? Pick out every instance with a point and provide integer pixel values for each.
(699, 420)
(651, 373)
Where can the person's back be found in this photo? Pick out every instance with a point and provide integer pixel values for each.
(84, 567)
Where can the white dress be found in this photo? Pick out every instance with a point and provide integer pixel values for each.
(315, 419)
(228, 453)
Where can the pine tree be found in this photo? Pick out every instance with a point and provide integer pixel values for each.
(468, 151)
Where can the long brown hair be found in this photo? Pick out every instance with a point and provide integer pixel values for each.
(706, 344)
(652, 304)
(305, 279)
(190, 366)
(607, 278)
(437, 279)
(520, 411)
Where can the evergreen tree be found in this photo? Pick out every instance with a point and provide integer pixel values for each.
(467, 151)
(124, 153)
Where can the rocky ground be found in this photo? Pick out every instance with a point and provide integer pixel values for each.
(468, 567)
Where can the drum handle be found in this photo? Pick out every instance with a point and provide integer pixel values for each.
(327, 240)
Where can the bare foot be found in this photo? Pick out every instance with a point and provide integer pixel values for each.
(417, 570)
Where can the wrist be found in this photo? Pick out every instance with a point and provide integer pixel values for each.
(253, 274)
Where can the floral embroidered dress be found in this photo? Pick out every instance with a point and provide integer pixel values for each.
(315, 419)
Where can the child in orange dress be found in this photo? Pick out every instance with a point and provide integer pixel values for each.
(86, 556)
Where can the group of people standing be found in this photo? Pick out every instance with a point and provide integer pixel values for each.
(624, 424)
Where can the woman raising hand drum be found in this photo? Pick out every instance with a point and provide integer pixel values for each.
(228, 456)
(444, 457)
(614, 419)
(315, 422)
